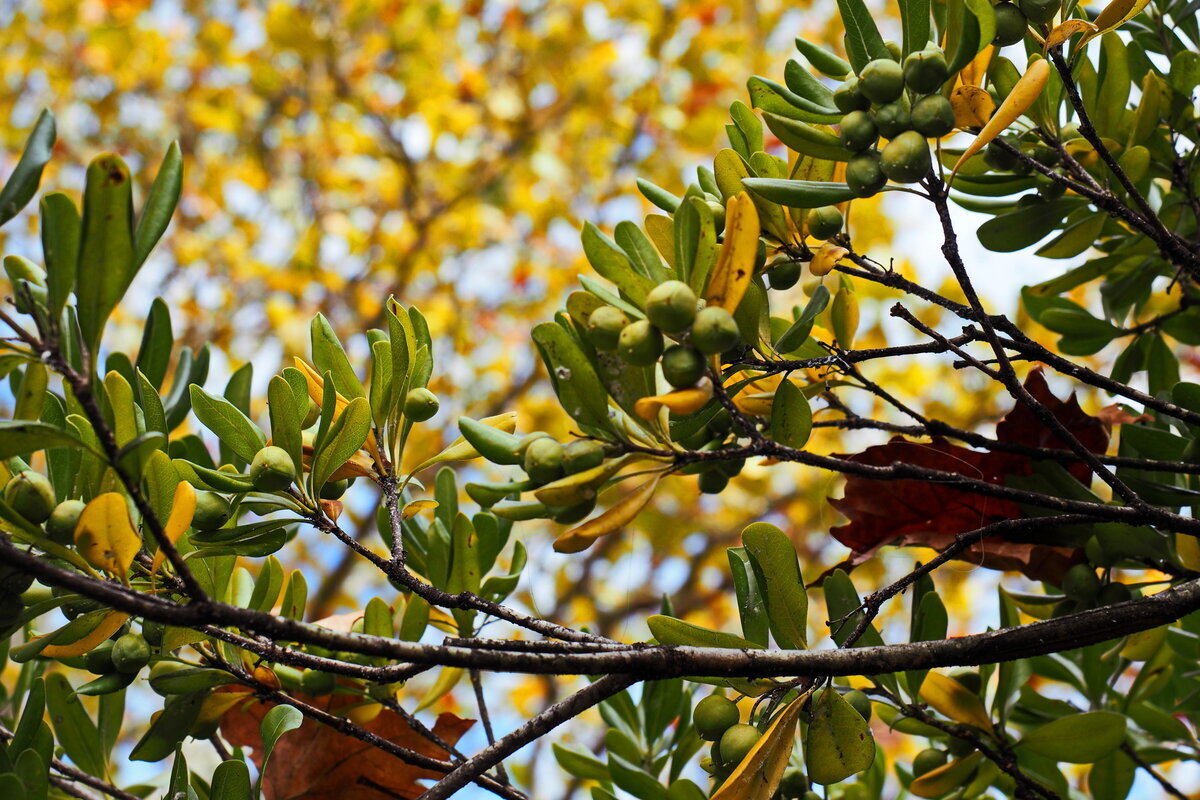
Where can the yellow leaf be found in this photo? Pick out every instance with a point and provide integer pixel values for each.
(183, 508)
(1116, 14)
(105, 535)
(735, 263)
(316, 392)
(362, 714)
(973, 73)
(446, 680)
(1066, 30)
(575, 488)
(759, 773)
(416, 507)
(107, 627)
(618, 515)
(973, 107)
(826, 259)
(955, 701)
(1188, 549)
(757, 404)
(1142, 646)
(682, 401)
(1023, 95)
(945, 778)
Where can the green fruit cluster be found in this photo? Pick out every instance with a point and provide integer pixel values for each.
(901, 103)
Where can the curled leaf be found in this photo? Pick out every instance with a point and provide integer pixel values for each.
(183, 508)
(107, 627)
(973, 106)
(760, 772)
(416, 507)
(1023, 95)
(1066, 30)
(826, 259)
(618, 515)
(954, 700)
(735, 264)
(682, 401)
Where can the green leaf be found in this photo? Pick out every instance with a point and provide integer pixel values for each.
(34, 775)
(791, 416)
(1077, 738)
(1024, 227)
(73, 727)
(863, 42)
(61, 230)
(672, 631)
(800, 194)
(23, 183)
(20, 437)
(929, 623)
(106, 257)
(346, 436)
(329, 356)
(787, 603)
(169, 729)
(839, 741)
(576, 383)
(914, 20)
(231, 780)
(752, 607)
(160, 205)
(1111, 777)
(795, 336)
(285, 418)
(278, 721)
(580, 763)
(11, 787)
(154, 354)
(808, 140)
(230, 425)
(608, 259)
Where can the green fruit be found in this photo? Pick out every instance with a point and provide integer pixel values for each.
(825, 222)
(212, 511)
(708, 765)
(604, 326)
(314, 682)
(849, 97)
(928, 760)
(882, 80)
(737, 742)
(858, 131)
(1040, 12)
(925, 70)
(1045, 155)
(1081, 582)
(933, 116)
(969, 678)
(576, 513)
(906, 158)
(61, 525)
(811, 795)
(671, 306)
(731, 467)
(682, 366)
(272, 469)
(334, 490)
(999, 159)
(714, 331)
(892, 119)
(153, 632)
(893, 47)
(864, 174)
(860, 702)
(784, 275)
(420, 404)
(544, 460)
(794, 784)
(713, 716)
(1113, 593)
(311, 415)
(99, 660)
(959, 747)
(1062, 608)
(582, 454)
(130, 653)
(713, 482)
(640, 344)
(1049, 189)
(30, 494)
(1010, 24)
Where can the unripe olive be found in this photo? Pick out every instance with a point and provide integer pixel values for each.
(576, 513)
(737, 742)
(860, 702)
(713, 482)
(333, 490)
(682, 366)
(881, 80)
(1010, 24)
(671, 306)
(1081, 583)
(604, 326)
(212, 511)
(714, 331)
(1045, 155)
(61, 525)
(708, 765)
(864, 173)
(906, 158)
(99, 659)
(544, 460)
(933, 116)
(928, 760)
(849, 97)
(1062, 608)
(582, 454)
(30, 494)
(999, 159)
(811, 795)
(130, 653)
(783, 275)
(1113, 593)
(311, 415)
(153, 632)
(420, 404)
(272, 469)
(892, 119)
(925, 70)
(893, 47)
(1049, 189)
(959, 747)
(640, 344)
(732, 467)
(316, 683)
(794, 784)
(858, 131)
(825, 222)
(1040, 12)
(713, 716)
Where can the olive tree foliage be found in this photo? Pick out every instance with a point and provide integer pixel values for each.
(134, 551)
